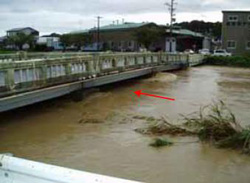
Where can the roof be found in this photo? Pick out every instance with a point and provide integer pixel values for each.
(186, 32)
(20, 29)
(79, 31)
(126, 25)
(236, 11)
(113, 27)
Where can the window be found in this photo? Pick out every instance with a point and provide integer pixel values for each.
(233, 18)
(248, 45)
(231, 44)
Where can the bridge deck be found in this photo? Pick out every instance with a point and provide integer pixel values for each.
(31, 81)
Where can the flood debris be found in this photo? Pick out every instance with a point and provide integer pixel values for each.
(160, 142)
(163, 127)
(90, 120)
(217, 124)
(87, 117)
(214, 123)
(146, 118)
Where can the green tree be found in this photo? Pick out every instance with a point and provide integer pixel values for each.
(65, 39)
(77, 40)
(206, 28)
(147, 35)
(20, 39)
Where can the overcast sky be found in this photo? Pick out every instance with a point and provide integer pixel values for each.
(62, 16)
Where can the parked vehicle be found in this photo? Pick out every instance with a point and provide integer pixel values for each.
(204, 51)
(189, 51)
(221, 52)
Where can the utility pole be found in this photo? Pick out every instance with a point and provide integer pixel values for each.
(98, 32)
(171, 7)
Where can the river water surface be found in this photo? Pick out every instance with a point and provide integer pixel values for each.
(97, 134)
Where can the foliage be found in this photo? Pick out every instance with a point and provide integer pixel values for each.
(162, 127)
(238, 141)
(214, 29)
(159, 142)
(20, 39)
(239, 61)
(77, 40)
(42, 48)
(147, 35)
(216, 123)
(6, 52)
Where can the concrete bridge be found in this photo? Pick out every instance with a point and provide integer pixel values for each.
(30, 78)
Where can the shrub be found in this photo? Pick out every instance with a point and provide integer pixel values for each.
(239, 61)
(159, 142)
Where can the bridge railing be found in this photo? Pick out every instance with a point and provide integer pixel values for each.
(17, 170)
(27, 75)
(21, 56)
(196, 59)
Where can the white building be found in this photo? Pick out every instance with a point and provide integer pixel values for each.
(50, 41)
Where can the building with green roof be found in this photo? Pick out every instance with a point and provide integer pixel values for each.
(183, 39)
(121, 37)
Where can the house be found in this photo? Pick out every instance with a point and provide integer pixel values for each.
(236, 32)
(28, 31)
(25, 30)
(51, 42)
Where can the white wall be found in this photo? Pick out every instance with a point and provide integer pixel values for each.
(173, 46)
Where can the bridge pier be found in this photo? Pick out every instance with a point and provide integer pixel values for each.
(78, 95)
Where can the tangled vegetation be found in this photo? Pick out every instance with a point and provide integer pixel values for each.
(214, 123)
(159, 142)
(238, 61)
(162, 127)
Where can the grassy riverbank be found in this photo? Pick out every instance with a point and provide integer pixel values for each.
(233, 61)
(6, 52)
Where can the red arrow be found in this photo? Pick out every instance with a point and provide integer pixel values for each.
(139, 93)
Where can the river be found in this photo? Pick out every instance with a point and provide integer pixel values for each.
(97, 134)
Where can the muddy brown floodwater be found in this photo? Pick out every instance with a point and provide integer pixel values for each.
(97, 134)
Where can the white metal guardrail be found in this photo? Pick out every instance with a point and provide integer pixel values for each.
(17, 170)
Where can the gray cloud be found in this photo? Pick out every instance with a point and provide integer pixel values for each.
(66, 15)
